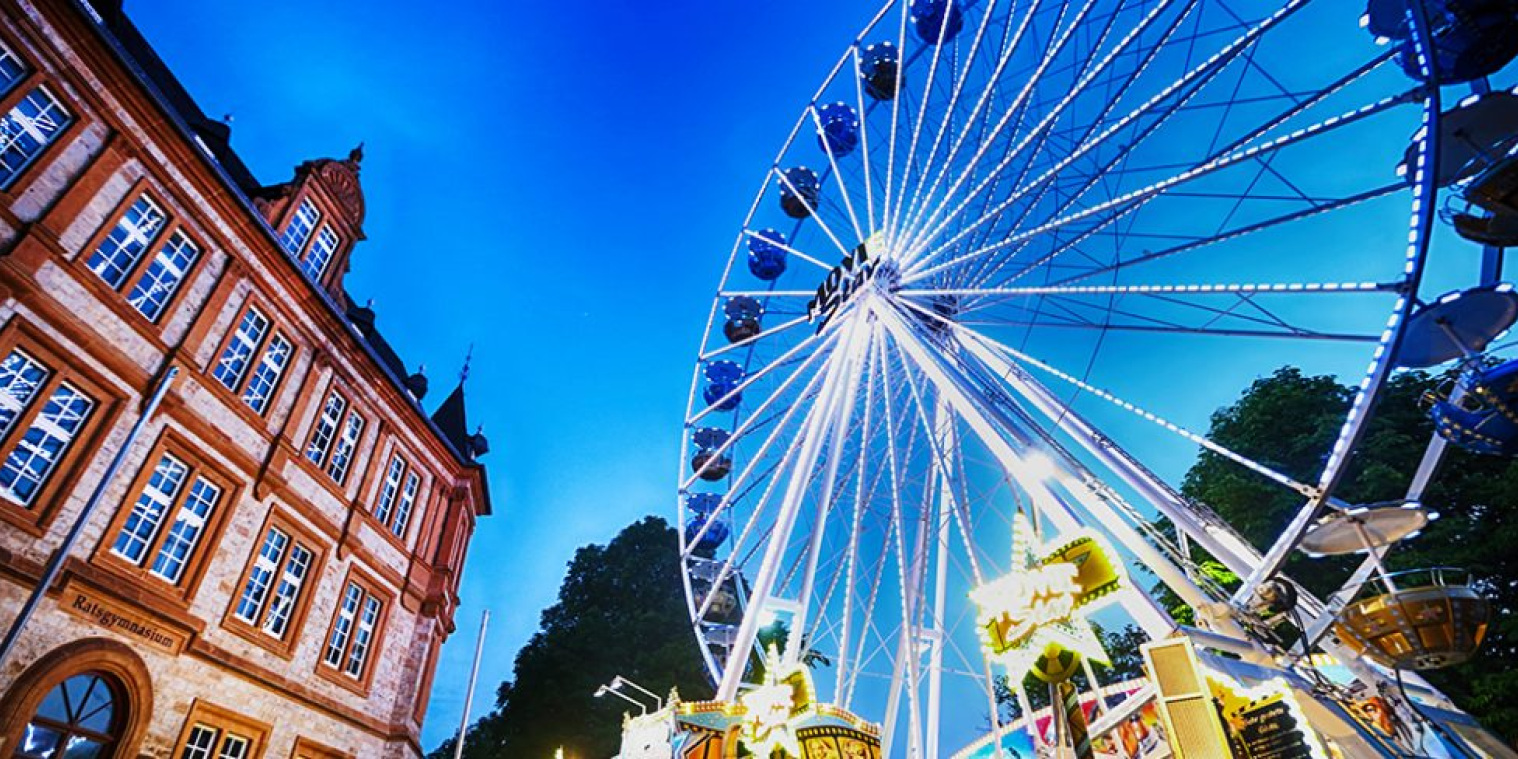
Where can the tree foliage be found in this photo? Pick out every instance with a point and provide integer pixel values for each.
(620, 611)
(1289, 421)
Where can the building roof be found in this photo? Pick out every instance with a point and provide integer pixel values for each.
(451, 420)
(214, 134)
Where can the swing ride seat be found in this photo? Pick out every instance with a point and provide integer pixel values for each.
(1496, 188)
(1485, 420)
(1500, 229)
(1417, 619)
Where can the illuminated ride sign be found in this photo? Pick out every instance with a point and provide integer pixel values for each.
(1034, 618)
(773, 709)
(844, 280)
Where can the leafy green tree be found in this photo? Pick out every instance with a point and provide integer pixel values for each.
(620, 611)
(1289, 421)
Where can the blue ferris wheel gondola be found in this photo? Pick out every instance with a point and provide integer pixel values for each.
(709, 464)
(766, 259)
(743, 318)
(937, 21)
(880, 70)
(703, 503)
(715, 535)
(799, 192)
(723, 377)
(840, 129)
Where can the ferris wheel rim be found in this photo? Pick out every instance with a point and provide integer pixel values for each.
(775, 175)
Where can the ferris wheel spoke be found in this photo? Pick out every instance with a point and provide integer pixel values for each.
(896, 101)
(1136, 197)
(1206, 331)
(1214, 315)
(1238, 458)
(1022, 98)
(999, 293)
(807, 257)
(821, 341)
(748, 342)
(1193, 79)
(1281, 118)
(757, 419)
(1039, 133)
(906, 169)
(843, 185)
(811, 212)
(830, 490)
(864, 138)
(951, 108)
(1237, 232)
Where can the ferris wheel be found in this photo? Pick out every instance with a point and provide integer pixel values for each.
(1010, 257)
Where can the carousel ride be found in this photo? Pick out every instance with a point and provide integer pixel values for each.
(1010, 257)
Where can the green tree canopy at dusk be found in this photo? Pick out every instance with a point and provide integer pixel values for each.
(621, 611)
(1288, 421)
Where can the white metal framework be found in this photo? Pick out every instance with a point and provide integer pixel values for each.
(1022, 282)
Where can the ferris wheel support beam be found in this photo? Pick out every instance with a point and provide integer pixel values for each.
(817, 422)
(825, 498)
(945, 437)
(977, 413)
(1225, 545)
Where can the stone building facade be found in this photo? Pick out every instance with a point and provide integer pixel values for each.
(268, 567)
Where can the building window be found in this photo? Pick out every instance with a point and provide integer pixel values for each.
(214, 733)
(78, 718)
(254, 360)
(12, 70)
(265, 379)
(320, 253)
(299, 228)
(163, 276)
(120, 254)
(169, 520)
(210, 742)
(122, 248)
(354, 632)
(40, 417)
(347, 443)
(27, 129)
(397, 496)
(272, 592)
(335, 437)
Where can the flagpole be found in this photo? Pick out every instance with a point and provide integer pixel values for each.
(55, 562)
(474, 673)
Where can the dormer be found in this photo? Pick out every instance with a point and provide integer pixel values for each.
(318, 216)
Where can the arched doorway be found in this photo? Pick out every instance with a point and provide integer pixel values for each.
(90, 699)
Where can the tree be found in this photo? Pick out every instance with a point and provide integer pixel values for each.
(1289, 421)
(620, 611)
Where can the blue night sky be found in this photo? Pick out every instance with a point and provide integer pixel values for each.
(559, 188)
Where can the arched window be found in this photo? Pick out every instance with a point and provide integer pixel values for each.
(79, 719)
